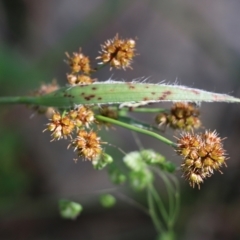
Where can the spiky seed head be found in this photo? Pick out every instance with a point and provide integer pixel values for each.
(78, 62)
(202, 154)
(60, 126)
(82, 116)
(87, 145)
(79, 79)
(184, 116)
(118, 52)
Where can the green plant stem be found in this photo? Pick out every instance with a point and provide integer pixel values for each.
(159, 203)
(147, 110)
(136, 123)
(133, 202)
(139, 109)
(17, 100)
(173, 193)
(177, 197)
(136, 129)
(170, 192)
(99, 67)
(152, 211)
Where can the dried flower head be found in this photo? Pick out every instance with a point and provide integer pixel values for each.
(183, 116)
(82, 116)
(45, 89)
(87, 145)
(108, 112)
(79, 79)
(202, 154)
(78, 62)
(60, 126)
(118, 52)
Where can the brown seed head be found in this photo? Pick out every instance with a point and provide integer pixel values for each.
(202, 154)
(118, 52)
(183, 116)
(87, 145)
(45, 89)
(82, 116)
(107, 112)
(79, 79)
(60, 126)
(78, 62)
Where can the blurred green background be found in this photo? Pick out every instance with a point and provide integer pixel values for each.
(193, 43)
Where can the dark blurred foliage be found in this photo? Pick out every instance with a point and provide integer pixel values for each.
(195, 42)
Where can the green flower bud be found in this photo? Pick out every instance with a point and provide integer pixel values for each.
(69, 209)
(134, 161)
(168, 166)
(107, 200)
(102, 161)
(116, 176)
(139, 180)
(151, 157)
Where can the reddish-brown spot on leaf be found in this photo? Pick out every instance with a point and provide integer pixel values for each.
(67, 95)
(130, 85)
(218, 98)
(89, 97)
(195, 92)
(94, 88)
(165, 95)
(99, 98)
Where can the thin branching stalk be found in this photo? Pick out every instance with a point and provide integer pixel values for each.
(136, 129)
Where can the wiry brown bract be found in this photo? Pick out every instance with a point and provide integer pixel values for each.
(118, 52)
(202, 154)
(184, 116)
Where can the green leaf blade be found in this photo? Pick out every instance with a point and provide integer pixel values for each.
(129, 94)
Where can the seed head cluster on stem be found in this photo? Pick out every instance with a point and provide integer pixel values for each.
(202, 155)
(76, 122)
(118, 52)
(182, 116)
(78, 62)
(80, 69)
(87, 145)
